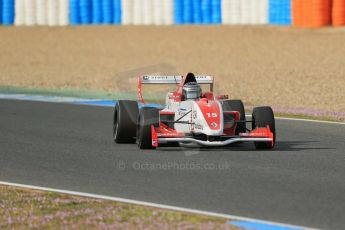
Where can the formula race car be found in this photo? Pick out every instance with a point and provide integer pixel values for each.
(191, 117)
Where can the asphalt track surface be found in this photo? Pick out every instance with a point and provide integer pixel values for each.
(301, 182)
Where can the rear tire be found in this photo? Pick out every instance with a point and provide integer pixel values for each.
(263, 116)
(236, 105)
(148, 116)
(125, 121)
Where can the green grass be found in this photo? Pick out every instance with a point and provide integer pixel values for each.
(32, 209)
(78, 93)
(150, 97)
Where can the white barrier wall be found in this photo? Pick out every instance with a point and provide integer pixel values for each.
(158, 13)
(141, 12)
(263, 11)
(20, 13)
(168, 11)
(53, 12)
(127, 12)
(147, 12)
(30, 12)
(41, 12)
(253, 12)
(138, 13)
(63, 12)
(244, 12)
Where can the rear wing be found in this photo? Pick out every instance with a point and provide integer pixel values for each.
(150, 79)
(177, 80)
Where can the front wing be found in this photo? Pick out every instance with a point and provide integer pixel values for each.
(164, 134)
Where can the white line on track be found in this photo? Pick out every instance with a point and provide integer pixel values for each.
(306, 120)
(154, 205)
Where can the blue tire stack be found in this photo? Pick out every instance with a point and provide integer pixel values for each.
(178, 11)
(108, 11)
(7, 12)
(216, 12)
(97, 12)
(188, 11)
(206, 9)
(117, 12)
(280, 12)
(74, 10)
(0, 12)
(85, 12)
(197, 17)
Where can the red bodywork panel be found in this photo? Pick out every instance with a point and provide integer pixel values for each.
(165, 131)
(177, 97)
(260, 132)
(211, 112)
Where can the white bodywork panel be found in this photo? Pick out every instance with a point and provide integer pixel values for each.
(194, 116)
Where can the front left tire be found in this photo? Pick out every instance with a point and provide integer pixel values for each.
(125, 121)
(148, 116)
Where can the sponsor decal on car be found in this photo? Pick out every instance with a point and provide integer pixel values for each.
(198, 126)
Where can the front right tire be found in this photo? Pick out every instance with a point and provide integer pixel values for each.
(263, 116)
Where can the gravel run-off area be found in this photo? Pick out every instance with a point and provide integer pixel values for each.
(294, 70)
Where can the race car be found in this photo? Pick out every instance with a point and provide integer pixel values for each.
(191, 117)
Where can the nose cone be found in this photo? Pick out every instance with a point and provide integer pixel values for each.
(212, 114)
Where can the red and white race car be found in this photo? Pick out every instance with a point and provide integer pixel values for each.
(190, 116)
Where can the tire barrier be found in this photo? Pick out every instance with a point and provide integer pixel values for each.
(0, 12)
(252, 12)
(206, 11)
(117, 12)
(168, 12)
(74, 12)
(280, 12)
(63, 12)
(30, 12)
(52, 12)
(147, 12)
(197, 18)
(138, 14)
(338, 13)
(85, 11)
(158, 14)
(41, 12)
(188, 11)
(127, 12)
(316, 15)
(7, 12)
(231, 12)
(216, 12)
(263, 12)
(20, 14)
(108, 11)
(97, 12)
(245, 11)
(178, 11)
(299, 13)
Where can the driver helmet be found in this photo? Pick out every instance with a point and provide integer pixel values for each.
(191, 91)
